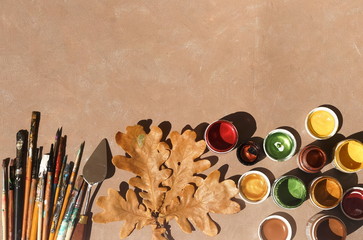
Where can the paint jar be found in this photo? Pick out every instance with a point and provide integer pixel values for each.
(325, 192)
(348, 156)
(279, 145)
(352, 203)
(254, 187)
(275, 227)
(248, 153)
(311, 159)
(288, 192)
(221, 136)
(321, 123)
(323, 227)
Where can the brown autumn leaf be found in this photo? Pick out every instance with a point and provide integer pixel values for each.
(181, 160)
(147, 155)
(194, 205)
(170, 187)
(116, 208)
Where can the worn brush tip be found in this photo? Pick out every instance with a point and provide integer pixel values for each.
(5, 162)
(12, 162)
(79, 182)
(36, 114)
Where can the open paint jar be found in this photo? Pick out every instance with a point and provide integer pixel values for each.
(274, 227)
(221, 136)
(348, 156)
(326, 227)
(321, 123)
(248, 153)
(311, 159)
(352, 203)
(289, 192)
(325, 192)
(254, 187)
(279, 145)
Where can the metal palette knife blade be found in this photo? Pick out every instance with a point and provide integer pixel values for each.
(95, 169)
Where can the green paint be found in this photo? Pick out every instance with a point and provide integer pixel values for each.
(279, 145)
(140, 140)
(289, 192)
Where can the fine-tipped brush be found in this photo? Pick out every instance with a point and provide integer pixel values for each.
(4, 204)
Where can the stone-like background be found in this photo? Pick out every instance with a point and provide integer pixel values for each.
(95, 67)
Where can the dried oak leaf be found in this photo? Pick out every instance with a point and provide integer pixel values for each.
(170, 187)
(185, 150)
(147, 155)
(194, 205)
(116, 208)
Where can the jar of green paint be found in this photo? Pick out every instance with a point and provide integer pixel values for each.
(289, 192)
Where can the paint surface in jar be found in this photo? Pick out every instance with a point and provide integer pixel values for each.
(222, 136)
(274, 229)
(331, 229)
(311, 159)
(315, 158)
(353, 203)
(326, 192)
(249, 153)
(351, 155)
(290, 192)
(254, 187)
(279, 145)
(321, 123)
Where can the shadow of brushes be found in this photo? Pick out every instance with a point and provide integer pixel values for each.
(168, 185)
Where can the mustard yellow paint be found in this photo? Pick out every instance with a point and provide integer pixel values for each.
(321, 123)
(254, 187)
(326, 192)
(349, 156)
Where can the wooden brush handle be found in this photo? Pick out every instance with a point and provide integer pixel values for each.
(80, 230)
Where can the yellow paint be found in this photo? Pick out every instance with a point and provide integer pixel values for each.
(321, 123)
(254, 187)
(349, 156)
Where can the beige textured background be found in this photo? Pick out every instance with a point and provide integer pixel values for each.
(95, 67)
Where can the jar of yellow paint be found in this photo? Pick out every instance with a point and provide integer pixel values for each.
(254, 187)
(348, 156)
(321, 123)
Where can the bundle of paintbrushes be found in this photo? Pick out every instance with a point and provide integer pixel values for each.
(42, 194)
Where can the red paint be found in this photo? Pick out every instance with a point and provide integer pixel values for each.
(353, 203)
(221, 136)
(248, 153)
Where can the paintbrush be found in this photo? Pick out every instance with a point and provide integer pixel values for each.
(48, 195)
(4, 205)
(69, 188)
(64, 225)
(33, 189)
(58, 166)
(62, 192)
(36, 231)
(57, 141)
(11, 199)
(60, 183)
(33, 215)
(75, 214)
(21, 148)
(33, 137)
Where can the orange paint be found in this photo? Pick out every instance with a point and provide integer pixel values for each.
(254, 187)
(326, 192)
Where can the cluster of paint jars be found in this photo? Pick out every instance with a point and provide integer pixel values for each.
(289, 191)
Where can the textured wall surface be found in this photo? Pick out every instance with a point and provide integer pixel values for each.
(95, 67)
